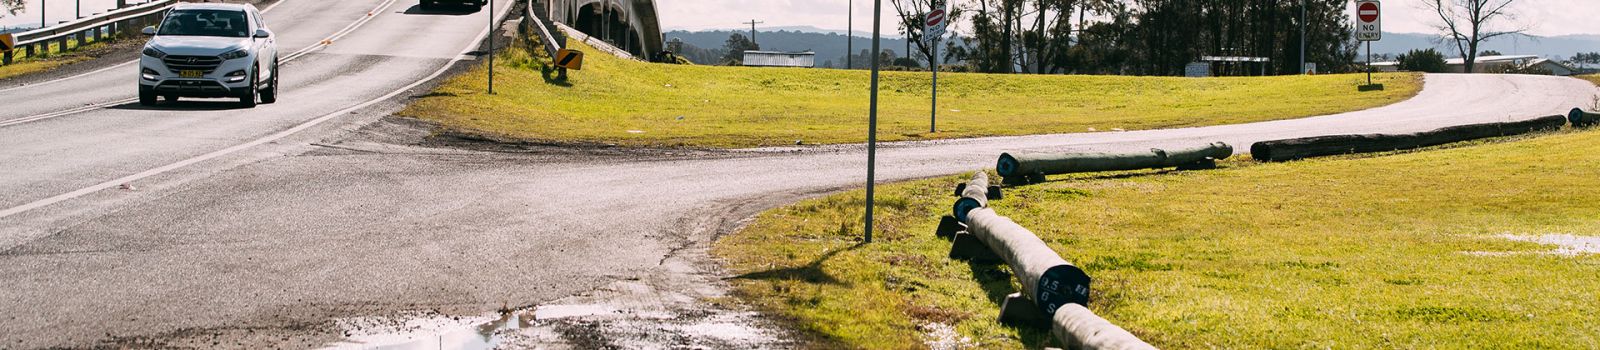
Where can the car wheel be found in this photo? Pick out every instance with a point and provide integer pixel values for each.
(270, 94)
(147, 96)
(427, 5)
(248, 100)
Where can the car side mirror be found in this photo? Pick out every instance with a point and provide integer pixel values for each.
(263, 34)
(151, 30)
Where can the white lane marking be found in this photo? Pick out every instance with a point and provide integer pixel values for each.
(384, 6)
(119, 65)
(257, 142)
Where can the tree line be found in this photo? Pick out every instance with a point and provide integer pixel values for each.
(1137, 37)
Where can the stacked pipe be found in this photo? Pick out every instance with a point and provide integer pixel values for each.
(1058, 289)
(1031, 168)
(1583, 119)
(1301, 148)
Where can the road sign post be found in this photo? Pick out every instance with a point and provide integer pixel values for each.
(1369, 27)
(491, 47)
(872, 116)
(932, 31)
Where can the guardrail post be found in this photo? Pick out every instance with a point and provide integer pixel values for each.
(63, 42)
(27, 50)
(6, 59)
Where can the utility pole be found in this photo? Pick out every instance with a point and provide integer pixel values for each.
(872, 114)
(1302, 36)
(43, 22)
(79, 13)
(753, 24)
(849, 33)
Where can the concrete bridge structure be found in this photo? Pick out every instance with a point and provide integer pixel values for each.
(631, 25)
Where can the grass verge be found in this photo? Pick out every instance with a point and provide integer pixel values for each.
(640, 104)
(1411, 250)
(1593, 78)
(76, 52)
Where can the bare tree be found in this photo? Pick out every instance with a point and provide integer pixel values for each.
(1468, 23)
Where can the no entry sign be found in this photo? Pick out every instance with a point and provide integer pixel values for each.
(1369, 21)
(935, 22)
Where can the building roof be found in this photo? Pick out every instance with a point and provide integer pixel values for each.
(1499, 58)
(780, 59)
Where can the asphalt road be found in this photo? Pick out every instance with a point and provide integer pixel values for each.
(365, 216)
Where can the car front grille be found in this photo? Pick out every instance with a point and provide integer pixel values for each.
(207, 64)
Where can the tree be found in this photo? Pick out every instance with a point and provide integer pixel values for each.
(735, 47)
(12, 7)
(1468, 23)
(1427, 61)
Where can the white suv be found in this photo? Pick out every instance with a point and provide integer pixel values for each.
(210, 50)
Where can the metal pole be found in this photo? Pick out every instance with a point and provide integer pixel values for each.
(933, 61)
(1369, 63)
(1302, 36)
(78, 13)
(491, 47)
(43, 22)
(872, 114)
(849, 34)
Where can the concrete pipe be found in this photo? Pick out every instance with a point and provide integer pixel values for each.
(1046, 278)
(974, 195)
(1025, 165)
(1301, 148)
(1583, 119)
(1078, 328)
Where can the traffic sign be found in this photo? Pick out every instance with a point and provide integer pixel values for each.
(934, 24)
(7, 42)
(569, 59)
(1369, 20)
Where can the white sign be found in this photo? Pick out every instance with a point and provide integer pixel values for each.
(935, 22)
(1369, 21)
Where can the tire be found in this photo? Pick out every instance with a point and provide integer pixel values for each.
(270, 94)
(427, 5)
(147, 96)
(248, 100)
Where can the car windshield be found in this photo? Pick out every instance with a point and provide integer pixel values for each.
(205, 23)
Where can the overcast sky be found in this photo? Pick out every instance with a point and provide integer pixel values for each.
(1548, 17)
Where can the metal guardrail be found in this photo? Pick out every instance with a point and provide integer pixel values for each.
(126, 20)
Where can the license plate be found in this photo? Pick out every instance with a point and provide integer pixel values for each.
(191, 74)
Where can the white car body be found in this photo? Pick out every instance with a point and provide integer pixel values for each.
(212, 57)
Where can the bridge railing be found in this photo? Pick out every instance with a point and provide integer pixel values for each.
(127, 20)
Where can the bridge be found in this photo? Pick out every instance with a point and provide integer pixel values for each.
(631, 25)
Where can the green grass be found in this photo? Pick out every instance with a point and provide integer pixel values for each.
(51, 58)
(1395, 251)
(639, 104)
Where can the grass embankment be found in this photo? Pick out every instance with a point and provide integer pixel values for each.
(1411, 250)
(1593, 78)
(640, 104)
(76, 52)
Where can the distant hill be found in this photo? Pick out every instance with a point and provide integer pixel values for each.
(1552, 47)
(828, 46)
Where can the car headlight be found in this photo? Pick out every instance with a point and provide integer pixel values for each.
(153, 52)
(235, 54)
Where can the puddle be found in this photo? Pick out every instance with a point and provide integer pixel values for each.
(428, 331)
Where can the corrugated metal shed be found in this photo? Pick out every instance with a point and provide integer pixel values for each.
(780, 59)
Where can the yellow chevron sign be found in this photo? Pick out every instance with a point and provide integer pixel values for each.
(7, 41)
(569, 59)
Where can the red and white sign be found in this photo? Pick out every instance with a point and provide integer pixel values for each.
(1369, 20)
(935, 22)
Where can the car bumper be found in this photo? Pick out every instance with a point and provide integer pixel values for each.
(214, 83)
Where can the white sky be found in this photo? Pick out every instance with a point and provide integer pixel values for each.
(1548, 17)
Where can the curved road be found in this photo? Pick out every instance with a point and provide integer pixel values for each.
(362, 216)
